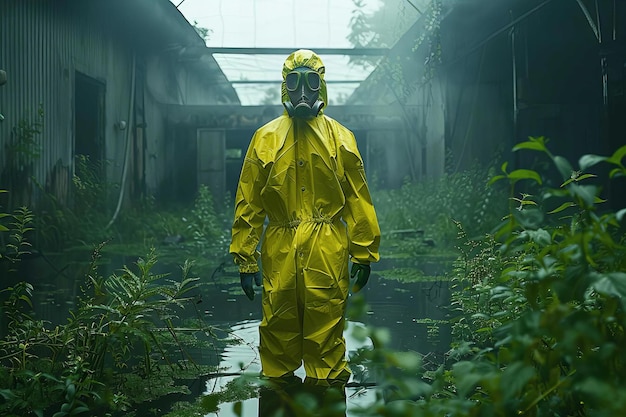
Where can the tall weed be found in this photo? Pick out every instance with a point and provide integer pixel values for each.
(434, 206)
(124, 324)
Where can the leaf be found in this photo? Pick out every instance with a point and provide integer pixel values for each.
(585, 176)
(534, 144)
(504, 229)
(409, 361)
(562, 207)
(495, 179)
(540, 236)
(587, 161)
(620, 214)
(71, 391)
(238, 408)
(26, 299)
(530, 217)
(586, 192)
(79, 410)
(612, 285)
(527, 203)
(577, 178)
(617, 172)
(466, 377)
(617, 156)
(553, 192)
(523, 174)
(563, 166)
(8, 394)
(515, 377)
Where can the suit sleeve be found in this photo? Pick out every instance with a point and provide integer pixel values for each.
(249, 214)
(358, 213)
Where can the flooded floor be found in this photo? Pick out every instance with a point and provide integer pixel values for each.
(409, 311)
(413, 313)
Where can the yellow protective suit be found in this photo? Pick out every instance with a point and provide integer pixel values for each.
(306, 177)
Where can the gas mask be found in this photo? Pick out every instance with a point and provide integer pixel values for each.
(303, 86)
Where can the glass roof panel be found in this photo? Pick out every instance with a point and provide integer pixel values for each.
(257, 78)
(282, 24)
(293, 24)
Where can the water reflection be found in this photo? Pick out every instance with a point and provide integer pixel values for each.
(289, 395)
(401, 308)
(276, 394)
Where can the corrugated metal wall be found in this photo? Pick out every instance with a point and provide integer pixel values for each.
(42, 44)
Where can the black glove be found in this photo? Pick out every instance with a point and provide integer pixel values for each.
(246, 282)
(362, 274)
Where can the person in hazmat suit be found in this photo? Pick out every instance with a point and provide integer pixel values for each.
(303, 174)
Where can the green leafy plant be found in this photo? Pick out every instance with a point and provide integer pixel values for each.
(205, 226)
(540, 312)
(16, 243)
(125, 323)
(478, 302)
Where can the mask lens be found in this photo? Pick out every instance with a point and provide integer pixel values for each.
(313, 80)
(292, 80)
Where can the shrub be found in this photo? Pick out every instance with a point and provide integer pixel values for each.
(540, 310)
(433, 206)
(122, 329)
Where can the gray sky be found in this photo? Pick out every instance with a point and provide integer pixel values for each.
(276, 23)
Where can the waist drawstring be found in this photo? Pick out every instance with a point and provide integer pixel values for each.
(293, 224)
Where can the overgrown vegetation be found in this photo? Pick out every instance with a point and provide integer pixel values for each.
(421, 215)
(539, 309)
(126, 330)
(128, 337)
(82, 217)
(192, 232)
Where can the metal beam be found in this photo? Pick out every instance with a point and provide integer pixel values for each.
(592, 24)
(287, 51)
(280, 81)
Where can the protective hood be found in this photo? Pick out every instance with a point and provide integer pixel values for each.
(309, 59)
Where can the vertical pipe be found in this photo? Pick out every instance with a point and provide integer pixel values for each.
(129, 130)
(603, 60)
(614, 20)
(514, 74)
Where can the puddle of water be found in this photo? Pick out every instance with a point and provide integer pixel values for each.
(246, 353)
